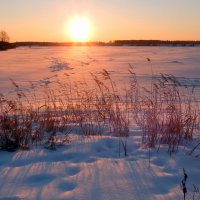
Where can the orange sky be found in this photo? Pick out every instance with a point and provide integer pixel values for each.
(46, 20)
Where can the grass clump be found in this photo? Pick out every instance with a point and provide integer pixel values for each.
(166, 112)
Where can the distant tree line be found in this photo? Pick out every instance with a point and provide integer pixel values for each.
(154, 43)
(4, 41)
(114, 43)
(30, 44)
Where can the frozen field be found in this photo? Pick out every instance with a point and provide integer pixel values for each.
(45, 65)
(94, 167)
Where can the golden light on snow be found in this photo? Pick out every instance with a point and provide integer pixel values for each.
(79, 29)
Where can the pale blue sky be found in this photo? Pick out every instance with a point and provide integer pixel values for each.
(45, 20)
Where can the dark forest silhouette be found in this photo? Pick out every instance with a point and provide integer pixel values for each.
(4, 41)
(114, 43)
(5, 44)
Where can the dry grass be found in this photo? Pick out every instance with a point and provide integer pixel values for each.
(167, 113)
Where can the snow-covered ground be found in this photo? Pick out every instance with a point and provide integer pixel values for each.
(91, 168)
(45, 65)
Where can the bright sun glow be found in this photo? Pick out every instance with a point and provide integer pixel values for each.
(79, 29)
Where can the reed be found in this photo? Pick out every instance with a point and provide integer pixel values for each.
(167, 112)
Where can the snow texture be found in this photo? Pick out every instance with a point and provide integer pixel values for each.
(91, 168)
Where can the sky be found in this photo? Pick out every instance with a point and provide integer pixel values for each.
(47, 20)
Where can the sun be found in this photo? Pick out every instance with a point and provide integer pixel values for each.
(79, 29)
